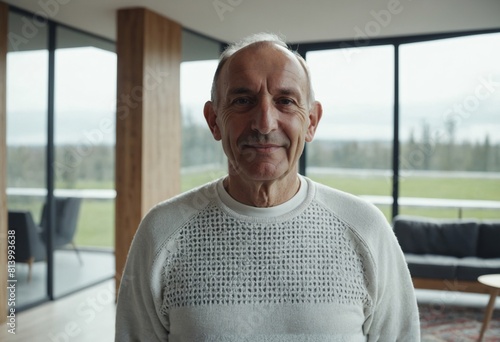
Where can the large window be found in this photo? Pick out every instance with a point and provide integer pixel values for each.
(353, 144)
(450, 127)
(84, 137)
(425, 141)
(60, 130)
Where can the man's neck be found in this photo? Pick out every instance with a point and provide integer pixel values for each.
(262, 193)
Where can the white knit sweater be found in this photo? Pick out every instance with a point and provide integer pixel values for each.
(324, 266)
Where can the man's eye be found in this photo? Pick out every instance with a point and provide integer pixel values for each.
(285, 101)
(241, 101)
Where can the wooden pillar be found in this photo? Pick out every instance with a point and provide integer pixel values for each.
(148, 123)
(3, 160)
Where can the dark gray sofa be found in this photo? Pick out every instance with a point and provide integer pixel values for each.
(449, 254)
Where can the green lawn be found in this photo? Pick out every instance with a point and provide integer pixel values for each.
(455, 188)
(96, 224)
(426, 187)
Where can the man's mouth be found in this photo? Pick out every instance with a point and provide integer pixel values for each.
(262, 148)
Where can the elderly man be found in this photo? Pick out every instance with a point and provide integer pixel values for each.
(265, 254)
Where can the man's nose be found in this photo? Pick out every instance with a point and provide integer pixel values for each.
(265, 117)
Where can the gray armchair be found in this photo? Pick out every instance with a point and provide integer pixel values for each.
(29, 245)
(66, 217)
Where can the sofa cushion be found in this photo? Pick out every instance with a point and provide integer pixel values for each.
(471, 268)
(488, 244)
(431, 266)
(419, 235)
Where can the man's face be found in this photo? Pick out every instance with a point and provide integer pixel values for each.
(262, 115)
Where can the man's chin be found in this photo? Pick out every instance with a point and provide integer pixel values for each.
(260, 172)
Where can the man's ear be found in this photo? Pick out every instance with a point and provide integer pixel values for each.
(211, 118)
(314, 117)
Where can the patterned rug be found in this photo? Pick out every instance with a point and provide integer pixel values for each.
(443, 323)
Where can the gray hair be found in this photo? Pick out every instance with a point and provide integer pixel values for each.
(253, 39)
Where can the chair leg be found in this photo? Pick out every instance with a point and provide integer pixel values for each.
(30, 268)
(77, 252)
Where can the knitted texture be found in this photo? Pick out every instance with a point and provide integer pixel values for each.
(325, 266)
(218, 259)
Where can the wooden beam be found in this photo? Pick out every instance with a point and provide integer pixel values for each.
(4, 15)
(148, 123)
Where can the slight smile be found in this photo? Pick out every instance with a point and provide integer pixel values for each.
(263, 148)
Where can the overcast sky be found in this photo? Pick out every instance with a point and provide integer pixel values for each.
(460, 79)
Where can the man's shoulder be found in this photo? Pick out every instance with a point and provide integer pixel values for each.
(191, 200)
(367, 225)
(358, 213)
(341, 201)
(167, 216)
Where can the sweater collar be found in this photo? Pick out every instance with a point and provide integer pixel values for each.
(279, 210)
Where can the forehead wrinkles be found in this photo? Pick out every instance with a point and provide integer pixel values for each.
(264, 61)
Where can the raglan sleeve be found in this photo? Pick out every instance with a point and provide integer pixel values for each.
(138, 310)
(394, 315)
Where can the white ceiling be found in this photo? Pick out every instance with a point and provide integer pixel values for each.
(299, 21)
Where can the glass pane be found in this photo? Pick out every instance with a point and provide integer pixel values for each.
(450, 127)
(202, 157)
(85, 93)
(352, 148)
(27, 77)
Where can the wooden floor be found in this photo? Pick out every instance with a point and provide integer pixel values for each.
(88, 315)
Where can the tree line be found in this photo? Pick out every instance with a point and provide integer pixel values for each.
(466, 156)
(95, 164)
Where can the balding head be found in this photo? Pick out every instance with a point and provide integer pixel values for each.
(254, 41)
